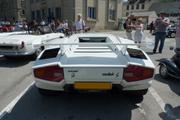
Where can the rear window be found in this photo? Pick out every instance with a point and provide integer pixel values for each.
(92, 39)
(51, 53)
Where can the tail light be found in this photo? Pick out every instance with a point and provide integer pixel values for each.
(50, 73)
(136, 73)
(22, 45)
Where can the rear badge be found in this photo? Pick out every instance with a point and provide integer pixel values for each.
(108, 74)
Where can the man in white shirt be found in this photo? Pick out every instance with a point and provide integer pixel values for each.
(80, 24)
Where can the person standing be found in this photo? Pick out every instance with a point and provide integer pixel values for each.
(79, 24)
(60, 26)
(178, 36)
(161, 25)
(52, 25)
(151, 27)
(139, 34)
(128, 26)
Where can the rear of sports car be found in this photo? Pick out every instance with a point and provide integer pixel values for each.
(93, 68)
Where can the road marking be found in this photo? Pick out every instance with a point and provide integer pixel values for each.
(141, 110)
(10, 106)
(161, 103)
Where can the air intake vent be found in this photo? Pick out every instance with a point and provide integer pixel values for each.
(134, 53)
(51, 53)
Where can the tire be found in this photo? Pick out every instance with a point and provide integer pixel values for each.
(173, 35)
(138, 93)
(163, 71)
(136, 96)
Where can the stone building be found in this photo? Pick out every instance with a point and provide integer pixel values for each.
(12, 10)
(170, 9)
(134, 6)
(149, 10)
(98, 14)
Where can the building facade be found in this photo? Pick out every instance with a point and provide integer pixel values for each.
(134, 6)
(98, 14)
(12, 10)
(149, 10)
(164, 7)
(170, 7)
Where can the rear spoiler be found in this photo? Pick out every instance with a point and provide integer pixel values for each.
(116, 46)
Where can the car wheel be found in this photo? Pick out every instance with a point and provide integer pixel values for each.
(136, 95)
(163, 71)
(173, 35)
(137, 92)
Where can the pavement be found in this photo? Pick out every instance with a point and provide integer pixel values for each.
(20, 100)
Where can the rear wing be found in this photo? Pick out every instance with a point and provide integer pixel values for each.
(116, 47)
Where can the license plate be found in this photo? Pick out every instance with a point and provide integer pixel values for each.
(92, 86)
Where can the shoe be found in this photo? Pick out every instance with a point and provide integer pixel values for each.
(154, 52)
(160, 52)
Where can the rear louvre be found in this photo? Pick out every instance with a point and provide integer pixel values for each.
(136, 73)
(50, 73)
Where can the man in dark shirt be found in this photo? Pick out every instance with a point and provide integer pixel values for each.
(161, 24)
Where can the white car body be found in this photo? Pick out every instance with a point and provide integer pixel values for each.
(90, 65)
(5, 34)
(22, 43)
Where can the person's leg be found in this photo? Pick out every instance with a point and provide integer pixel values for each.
(156, 42)
(162, 39)
(136, 37)
(129, 35)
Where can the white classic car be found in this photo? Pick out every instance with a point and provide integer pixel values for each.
(94, 61)
(22, 43)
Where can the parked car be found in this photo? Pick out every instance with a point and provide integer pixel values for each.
(22, 43)
(170, 67)
(94, 61)
(171, 32)
(6, 27)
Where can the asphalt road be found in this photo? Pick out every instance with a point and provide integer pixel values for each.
(161, 102)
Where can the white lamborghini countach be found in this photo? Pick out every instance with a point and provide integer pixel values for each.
(94, 61)
(23, 44)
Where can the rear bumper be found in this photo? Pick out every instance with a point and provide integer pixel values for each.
(123, 85)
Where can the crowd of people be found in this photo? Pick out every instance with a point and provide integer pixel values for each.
(59, 25)
(56, 25)
(134, 23)
(159, 26)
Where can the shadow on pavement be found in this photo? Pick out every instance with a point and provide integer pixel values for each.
(172, 82)
(72, 106)
(11, 62)
(171, 113)
(149, 53)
